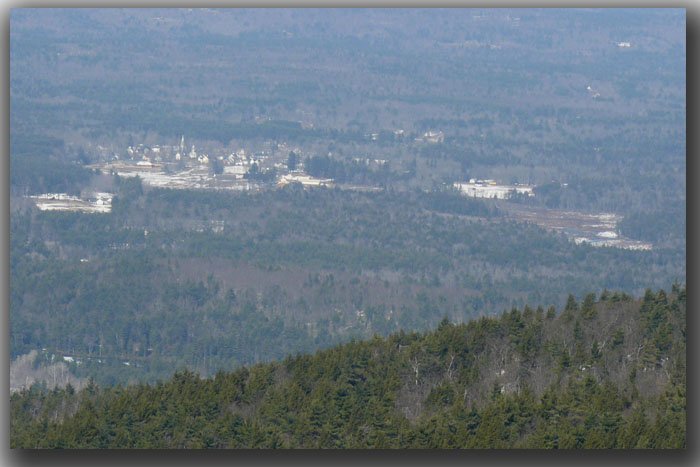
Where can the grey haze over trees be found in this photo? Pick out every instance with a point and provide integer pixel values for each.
(586, 105)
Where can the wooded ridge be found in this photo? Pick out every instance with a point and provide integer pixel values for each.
(609, 372)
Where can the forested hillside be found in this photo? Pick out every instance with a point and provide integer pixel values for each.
(215, 255)
(607, 372)
(206, 280)
(323, 227)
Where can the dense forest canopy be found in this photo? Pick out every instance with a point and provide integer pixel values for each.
(208, 279)
(605, 373)
(249, 228)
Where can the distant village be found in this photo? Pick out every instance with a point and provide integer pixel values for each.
(183, 166)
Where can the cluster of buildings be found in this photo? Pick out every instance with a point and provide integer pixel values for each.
(236, 163)
(182, 166)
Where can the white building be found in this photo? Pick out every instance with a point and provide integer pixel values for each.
(238, 170)
(434, 137)
(490, 189)
(305, 180)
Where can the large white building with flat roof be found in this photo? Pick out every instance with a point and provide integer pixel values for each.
(490, 189)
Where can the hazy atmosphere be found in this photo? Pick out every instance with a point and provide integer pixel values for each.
(347, 228)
